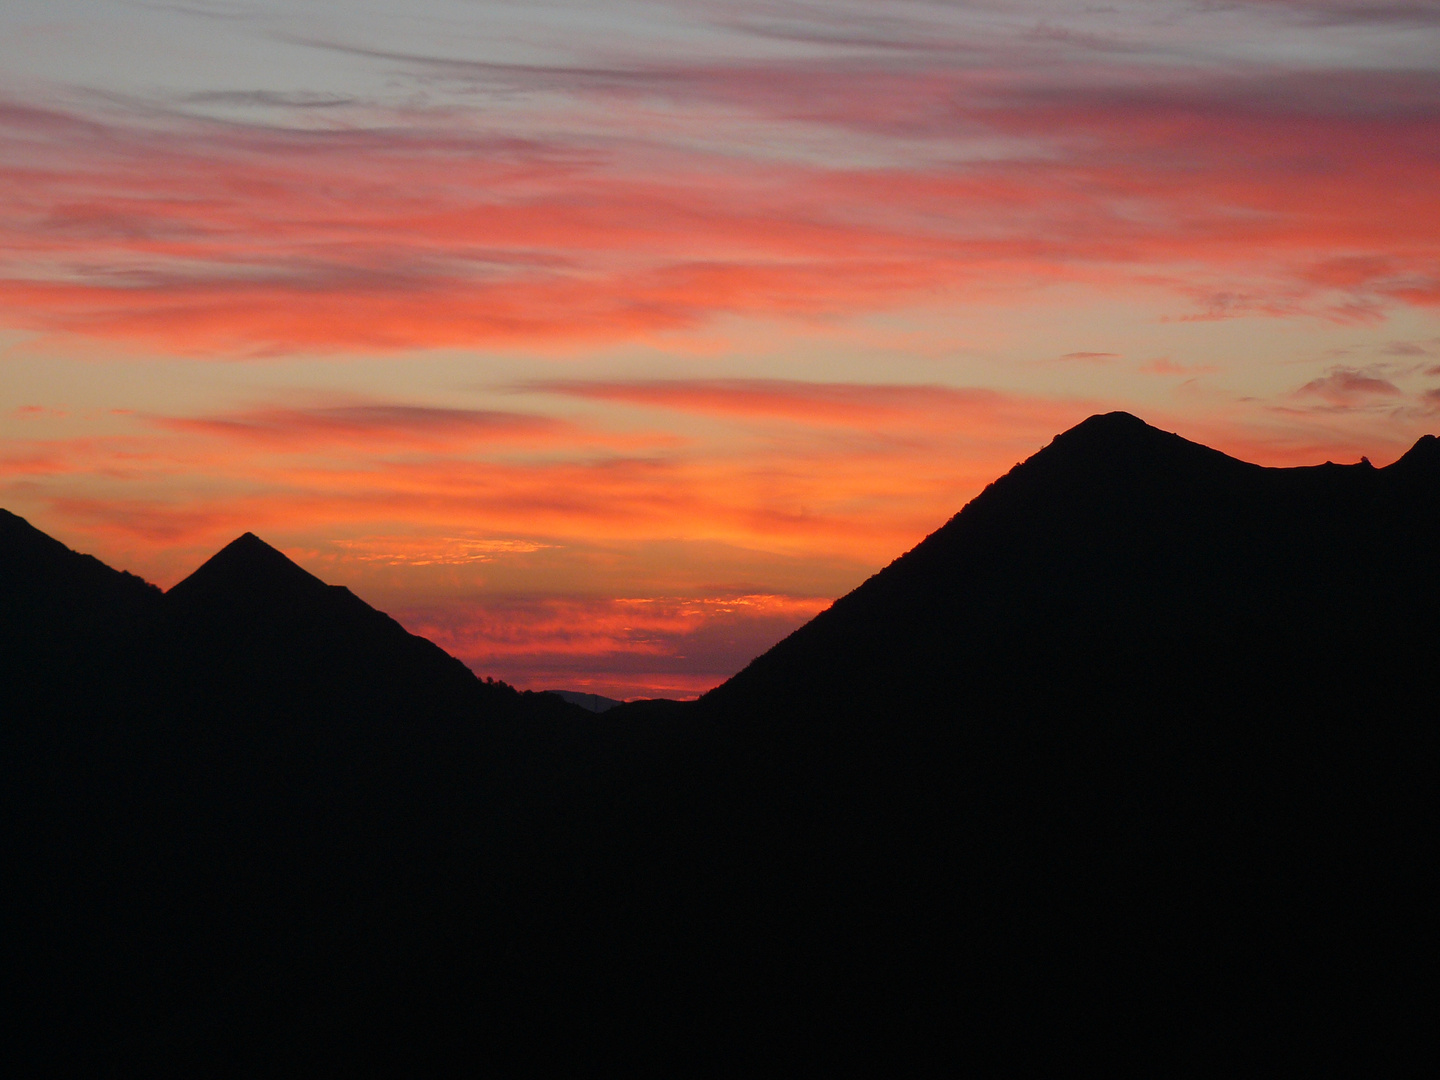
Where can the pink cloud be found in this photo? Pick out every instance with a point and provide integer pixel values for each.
(874, 406)
(372, 426)
(1164, 366)
(647, 646)
(1340, 12)
(784, 470)
(1346, 387)
(1284, 192)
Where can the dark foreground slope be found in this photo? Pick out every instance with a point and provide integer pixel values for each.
(61, 612)
(226, 804)
(250, 625)
(1134, 759)
(1137, 752)
(1142, 741)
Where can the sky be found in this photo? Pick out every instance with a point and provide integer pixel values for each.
(606, 341)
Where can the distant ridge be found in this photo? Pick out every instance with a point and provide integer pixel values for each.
(594, 703)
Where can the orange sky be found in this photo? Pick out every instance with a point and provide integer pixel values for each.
(607, 344)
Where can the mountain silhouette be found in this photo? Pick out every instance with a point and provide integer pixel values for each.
(1131, 763)
(44, 581)
(248, 571)
(1122, 561)
(210, 786)
(63, 617)
(1144, 730)
(259, 625)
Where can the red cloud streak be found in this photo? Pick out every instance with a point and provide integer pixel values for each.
(1299, 192)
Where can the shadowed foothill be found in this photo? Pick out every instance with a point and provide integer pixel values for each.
(1131, 761)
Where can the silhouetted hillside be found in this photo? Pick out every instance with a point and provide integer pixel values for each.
(249, 627)
(252, 624)
(1131, 763)
(215, 800)
(1121, 563)
(1143, 732)
(44, 580)
(62, 616)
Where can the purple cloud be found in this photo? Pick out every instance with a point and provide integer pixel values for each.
(1347, 388)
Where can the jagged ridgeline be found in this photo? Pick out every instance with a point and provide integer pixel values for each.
(1132, 760)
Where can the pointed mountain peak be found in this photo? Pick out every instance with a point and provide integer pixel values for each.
(1425, 454)
(247, 567)
(1117, 423)
(248, 545)
(1117, 438)
(250, 551)
(1117, 430)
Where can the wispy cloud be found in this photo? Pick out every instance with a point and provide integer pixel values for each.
(1163, 365)
(622, 646)
(632, 200)
(1091, 357)
(808, 402)
(802, 481)
(1415, 13)
(1347, 387)
(433, 550)
(375, 426)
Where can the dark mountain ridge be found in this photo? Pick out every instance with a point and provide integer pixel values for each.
(257, 623)
(1160, 720)
(1131, 761)
(205, 788)
(1118, 542)
(247, 625)
(61, 614)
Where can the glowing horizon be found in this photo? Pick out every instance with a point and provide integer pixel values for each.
(606, 344)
